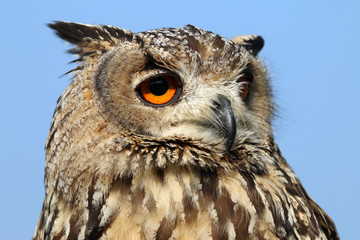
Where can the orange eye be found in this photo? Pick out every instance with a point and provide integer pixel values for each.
(159, 90)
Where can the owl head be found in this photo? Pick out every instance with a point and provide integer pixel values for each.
(174, 84)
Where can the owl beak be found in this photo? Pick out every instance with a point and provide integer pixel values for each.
(227, 122)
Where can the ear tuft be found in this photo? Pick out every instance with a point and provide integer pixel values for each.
(253, 43)
(90, 38)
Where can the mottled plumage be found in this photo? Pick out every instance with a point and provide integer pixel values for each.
(123, 163)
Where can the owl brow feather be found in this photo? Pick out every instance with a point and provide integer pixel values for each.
(81, 58)
(73, 70)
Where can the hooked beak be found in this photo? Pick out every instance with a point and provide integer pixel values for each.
(227, 122)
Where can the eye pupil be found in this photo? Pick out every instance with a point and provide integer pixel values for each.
(158, 86)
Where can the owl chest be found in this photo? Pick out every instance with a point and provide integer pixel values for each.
(176, 204)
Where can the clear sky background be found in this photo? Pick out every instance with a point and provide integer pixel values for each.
(311, 48)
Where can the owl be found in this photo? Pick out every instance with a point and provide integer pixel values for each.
(167, 134)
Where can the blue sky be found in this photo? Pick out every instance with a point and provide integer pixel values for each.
(312, 51)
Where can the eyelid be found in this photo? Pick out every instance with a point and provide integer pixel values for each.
(148, 74)
(246, 76)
